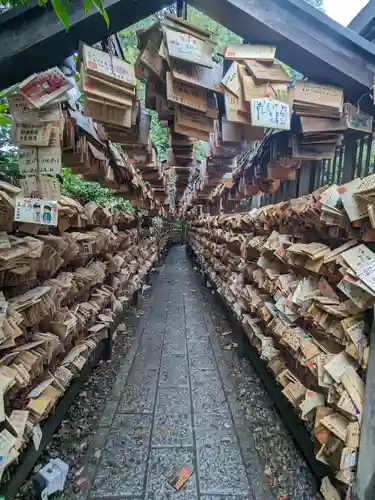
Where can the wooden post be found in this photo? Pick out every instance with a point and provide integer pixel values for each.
(318, 166)
(350, 161)
(304, 178)
(255, 202)
(365, 484)
(290, 191)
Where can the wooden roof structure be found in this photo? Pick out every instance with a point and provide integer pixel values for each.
(33, 39)
(364, 22)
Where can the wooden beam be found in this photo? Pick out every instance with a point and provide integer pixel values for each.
(33, 39)
(365, 483)
(306, 39)
(364, 21)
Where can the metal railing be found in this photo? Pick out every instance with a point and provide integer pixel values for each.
(354, 159)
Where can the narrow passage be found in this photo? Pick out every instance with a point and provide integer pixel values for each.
(176, 403)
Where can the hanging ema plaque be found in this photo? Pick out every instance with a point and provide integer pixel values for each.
(270, 113)
(36, 211)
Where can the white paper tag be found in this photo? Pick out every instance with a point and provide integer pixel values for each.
(37, 436)
(36, 211)
(270, 113)
(44, 494)
(3, 461)
(366, 273)
(4, 240)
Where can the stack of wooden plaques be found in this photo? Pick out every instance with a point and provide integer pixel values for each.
(87, 151)
(322, 127)
(108, 84)
(219, 163)
(83, 151)
(303, 305)
(181, 151)
(71, 214)
(38, 125)
(176, 60)
(339, 212)
(320, 108)
(181, 156)
(190, 76)
(253, 85)
(255, 96)
(60, 295)
(256, 91)
(152, 173)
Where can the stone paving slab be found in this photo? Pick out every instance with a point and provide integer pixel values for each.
(225, 497)
(172, 429)
(173, 400)
(162, 462)
(122, 470)
(174, 405)
(139, 393)
(174, 371)
(221, 469)
(202, 361)
(211, 429)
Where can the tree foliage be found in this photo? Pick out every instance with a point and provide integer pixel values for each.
(73, 185)
(319, 4)
(61, 8)
(221, 35)
(8, 155)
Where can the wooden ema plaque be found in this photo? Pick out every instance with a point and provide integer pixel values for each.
(188, 48)
(199, 76)
(241, 52)
(186, 95)
(268, 73)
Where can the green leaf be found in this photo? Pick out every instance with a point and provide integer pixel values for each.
(4, 120)
(87, 5)
(100, 7)
(61, 10)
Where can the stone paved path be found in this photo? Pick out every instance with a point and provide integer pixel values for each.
(174, 403)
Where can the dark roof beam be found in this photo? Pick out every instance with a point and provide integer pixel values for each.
(34, 39)
(306, 39)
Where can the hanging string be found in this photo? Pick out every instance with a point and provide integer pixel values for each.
(268, 93)
(368, 93)
(182, 9)
(349, 493)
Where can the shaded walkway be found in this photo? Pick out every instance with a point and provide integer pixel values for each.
(174, 404)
